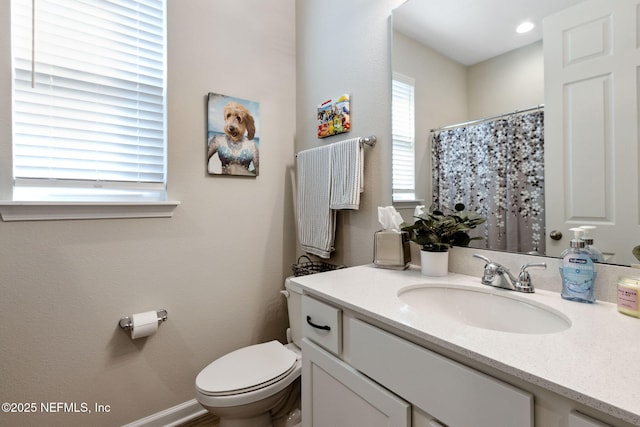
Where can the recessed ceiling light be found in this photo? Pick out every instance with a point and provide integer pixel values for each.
(525, 27)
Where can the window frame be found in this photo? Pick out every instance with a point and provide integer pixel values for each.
(411, 196)
(91, 208)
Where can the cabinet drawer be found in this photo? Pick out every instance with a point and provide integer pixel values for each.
(322, 324)
(449, 391)
(576, 419)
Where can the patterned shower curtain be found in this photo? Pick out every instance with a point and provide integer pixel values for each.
(497, 169)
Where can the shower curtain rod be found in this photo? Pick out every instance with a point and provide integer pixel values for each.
(486, 119)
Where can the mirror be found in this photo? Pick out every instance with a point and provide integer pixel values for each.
(464, 77)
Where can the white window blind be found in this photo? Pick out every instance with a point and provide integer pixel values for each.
(88, 97)
(403, 129)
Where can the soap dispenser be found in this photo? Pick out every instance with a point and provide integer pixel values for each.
(596, 254)
(577, 271)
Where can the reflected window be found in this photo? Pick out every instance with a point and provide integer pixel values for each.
(403, 131)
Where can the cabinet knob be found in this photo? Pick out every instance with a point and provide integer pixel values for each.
(555, 235)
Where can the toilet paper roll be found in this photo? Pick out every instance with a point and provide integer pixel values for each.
(144, 324)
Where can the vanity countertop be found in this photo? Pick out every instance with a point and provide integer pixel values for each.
(595, 362)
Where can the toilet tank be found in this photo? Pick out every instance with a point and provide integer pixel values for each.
(294, 306)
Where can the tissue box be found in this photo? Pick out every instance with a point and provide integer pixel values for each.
(391, 249)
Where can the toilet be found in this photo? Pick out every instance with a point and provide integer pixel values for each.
(251, 386)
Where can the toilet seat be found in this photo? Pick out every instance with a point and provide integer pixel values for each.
(247, 369)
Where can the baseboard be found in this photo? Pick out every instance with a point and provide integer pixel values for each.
(171, 417)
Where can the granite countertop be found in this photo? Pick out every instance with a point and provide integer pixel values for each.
(595, 362)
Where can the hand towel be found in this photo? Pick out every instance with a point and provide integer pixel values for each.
(316, 221)
(347, 166)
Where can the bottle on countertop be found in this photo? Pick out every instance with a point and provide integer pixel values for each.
(577, 235)
(577, 271)
(629, 296)
(596, 254)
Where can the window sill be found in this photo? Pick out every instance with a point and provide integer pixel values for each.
(408, 204)
(49, 211)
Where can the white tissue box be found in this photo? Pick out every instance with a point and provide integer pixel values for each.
(391, 249)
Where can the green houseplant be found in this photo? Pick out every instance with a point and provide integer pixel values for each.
(436, 232)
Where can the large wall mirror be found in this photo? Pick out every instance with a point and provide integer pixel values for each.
(469, 64)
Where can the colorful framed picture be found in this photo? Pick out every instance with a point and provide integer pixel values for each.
(334, 117)
(233, 137)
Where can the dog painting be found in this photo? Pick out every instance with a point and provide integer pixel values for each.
(232, 136)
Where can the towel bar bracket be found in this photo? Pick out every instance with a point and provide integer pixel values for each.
(369, 140)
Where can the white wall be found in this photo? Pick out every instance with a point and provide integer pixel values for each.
(216, 266)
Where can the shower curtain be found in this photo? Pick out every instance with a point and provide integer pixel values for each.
(495, 168)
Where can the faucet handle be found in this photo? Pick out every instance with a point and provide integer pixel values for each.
(490, 267)
(482, 257)
(541, 265)
(524, 279)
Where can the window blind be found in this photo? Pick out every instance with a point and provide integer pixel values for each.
(403, 130)
(92, 113)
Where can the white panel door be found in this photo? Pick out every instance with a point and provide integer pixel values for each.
(336, 395)
(591, 61)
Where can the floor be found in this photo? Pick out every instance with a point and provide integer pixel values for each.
(285, 416)
(209, 420)
(206, 420)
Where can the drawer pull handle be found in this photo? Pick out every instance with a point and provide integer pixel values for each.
(324, 328)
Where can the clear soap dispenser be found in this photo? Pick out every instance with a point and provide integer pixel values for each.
(574, 243)
(596, 254)
(577, 271)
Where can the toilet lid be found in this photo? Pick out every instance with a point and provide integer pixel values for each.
(246, 369)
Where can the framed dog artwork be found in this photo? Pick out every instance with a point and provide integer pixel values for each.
(233, 141)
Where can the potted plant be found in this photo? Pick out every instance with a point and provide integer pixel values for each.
(436, 232)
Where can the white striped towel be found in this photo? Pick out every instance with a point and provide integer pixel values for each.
(316, 221)
(347, 162)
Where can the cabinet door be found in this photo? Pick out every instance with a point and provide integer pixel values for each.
(447, 390)
(336, 395)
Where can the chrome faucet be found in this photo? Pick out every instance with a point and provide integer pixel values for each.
(499, 276)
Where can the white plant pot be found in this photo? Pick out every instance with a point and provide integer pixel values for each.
(435, 264)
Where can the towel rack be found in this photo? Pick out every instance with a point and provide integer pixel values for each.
(368, 140)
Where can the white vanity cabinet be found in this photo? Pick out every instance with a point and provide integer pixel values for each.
(358, 374)
(461, 375)
(373, 380)
(334, 394)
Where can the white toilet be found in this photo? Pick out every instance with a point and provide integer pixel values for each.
(251, 385)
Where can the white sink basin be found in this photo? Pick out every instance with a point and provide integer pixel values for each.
(495, 309)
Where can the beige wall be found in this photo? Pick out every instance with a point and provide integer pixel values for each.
(511, 81)
(343, 47)
(217, 266)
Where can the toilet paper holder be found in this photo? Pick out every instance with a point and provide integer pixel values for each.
(126, 322)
